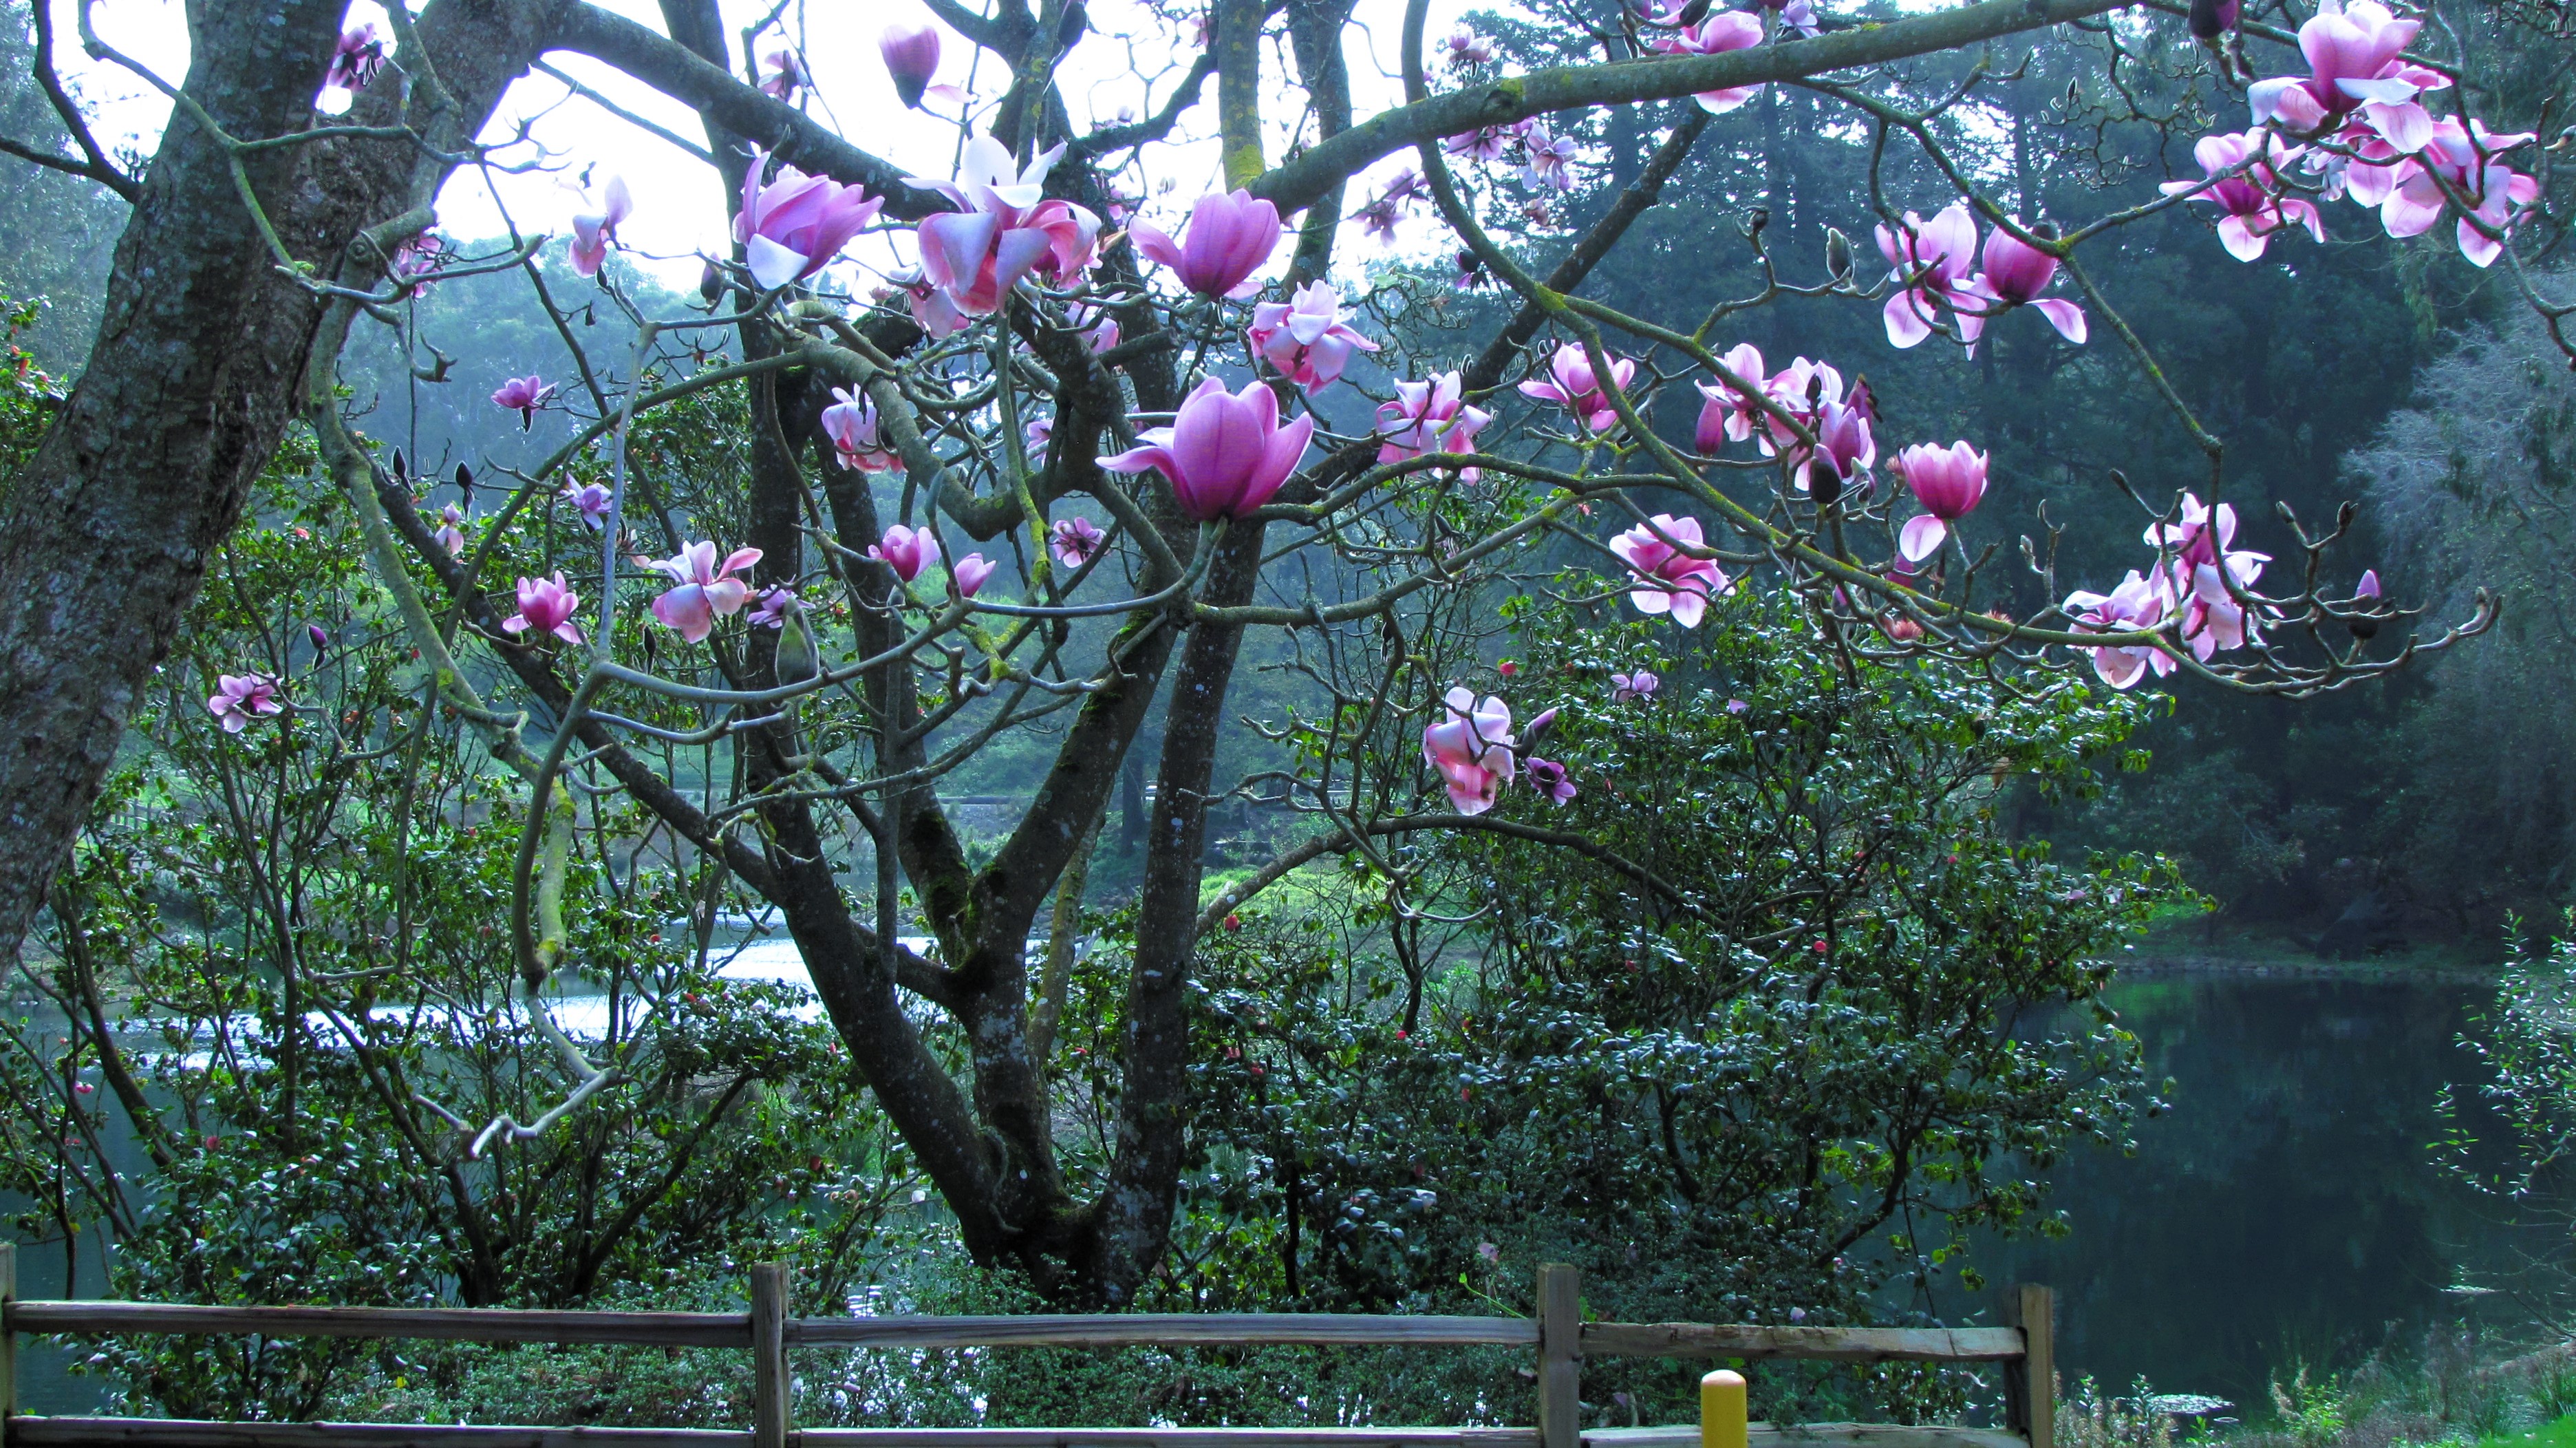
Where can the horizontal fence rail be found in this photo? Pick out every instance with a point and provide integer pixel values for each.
(1558, 1334)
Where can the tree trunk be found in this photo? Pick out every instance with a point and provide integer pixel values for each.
(196, 371)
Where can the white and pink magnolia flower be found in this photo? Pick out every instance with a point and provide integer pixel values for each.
(1485, 143)
(932, 310)
(2015, 274)
(1008, 230)
(1930, 262)
(2200, 534)
(523, 395)
(1721, 31)
(906, 550)
(1639, 685)
(1731, 414)
(1471, 746)
(418, 259)
(1305, 338)
(592, 231)
(591, 500)
(1427, 417)
(450, 531)
(1548, 159)
(2355, 62)
(546, 606)
(794, 226)
(2465, 156)
(706, 589)
(1549, 778)
(240, 698)
(1949, 482)
(968, 574)
(1076, 541)
(1467, 48)
(2138, 604)
(1098, 328)
(1668, 579)
(1572, 385)
(851, 424)
(2251, 195)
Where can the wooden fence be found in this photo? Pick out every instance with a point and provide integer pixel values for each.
(1558, 1335)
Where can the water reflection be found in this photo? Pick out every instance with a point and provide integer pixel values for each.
(2286, 1207)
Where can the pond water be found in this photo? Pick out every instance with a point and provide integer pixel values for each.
(2286, 1209)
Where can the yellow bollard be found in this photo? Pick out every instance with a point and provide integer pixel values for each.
(1721, 1410)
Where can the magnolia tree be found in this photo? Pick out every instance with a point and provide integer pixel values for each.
(1042, 476)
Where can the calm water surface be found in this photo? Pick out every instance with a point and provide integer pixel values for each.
(2286, 1208)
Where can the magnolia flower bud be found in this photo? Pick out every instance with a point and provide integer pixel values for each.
(795, 659)
(1838, 254)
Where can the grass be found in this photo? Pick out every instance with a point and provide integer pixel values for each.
(2559, 1433)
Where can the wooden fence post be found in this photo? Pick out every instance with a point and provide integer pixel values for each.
(769, 1406)
(8, 1338)
(2030, 1387)
(1560, 1356)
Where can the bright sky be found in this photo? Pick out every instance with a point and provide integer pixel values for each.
(1128, 63)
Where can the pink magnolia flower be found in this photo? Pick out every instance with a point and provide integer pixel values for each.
(1467, 48)
(1731, 414)
(418, 259)
(1471, 746)
(1008, 231)
(969, 573)
(2136, 604)
(932, 310)
(1845, 443)
(769, 609)
(2212, 618)
(1427, 417)
(706, 590)
(2464, 156)
(1639, 685)
(1225, 453)
(546, 606)
(1668, 579)
(1722, 31)
(2251, 193)
(795, 226)
(450, 532)
(591, 500)
(523, 395)
(355, 60)
(1572, 385)
(1230, 237)
(2016, 273)
(1930, 260)
(906, 550)
(1948, 482)
(1549, 778)
(783, 74)
(2354, 62)
(1098, 328)
(1306, 338)
(1076, 541)
(911, 57)
(2201, 534)
(238, 698)
(593, 230)
(1035, 434)
(1485, 143)
(1550, 158)
(851, 424)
